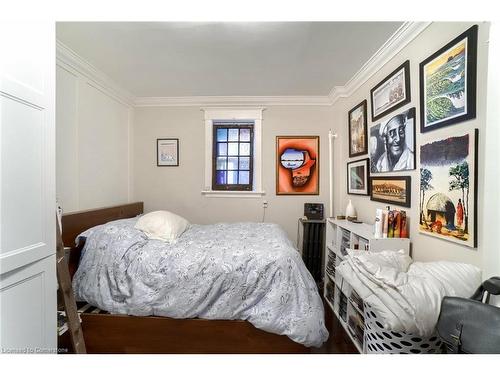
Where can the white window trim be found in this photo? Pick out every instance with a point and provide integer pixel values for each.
(233, 113)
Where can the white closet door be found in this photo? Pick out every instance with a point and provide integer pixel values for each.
(27, 171)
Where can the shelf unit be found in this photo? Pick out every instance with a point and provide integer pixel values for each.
(339, 295)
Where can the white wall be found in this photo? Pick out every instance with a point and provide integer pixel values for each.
(491, 259)
(93, 143)
(179, 188)
(430, 40)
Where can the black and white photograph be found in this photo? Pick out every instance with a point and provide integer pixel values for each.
(357, 177)
(392, 92)
(392, 143)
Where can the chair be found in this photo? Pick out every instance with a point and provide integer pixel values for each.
(471, 325)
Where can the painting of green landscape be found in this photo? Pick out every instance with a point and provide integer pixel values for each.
(445, 85)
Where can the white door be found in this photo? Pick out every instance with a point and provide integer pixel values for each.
(27, 189)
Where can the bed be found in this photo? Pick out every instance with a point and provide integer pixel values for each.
(224, 288)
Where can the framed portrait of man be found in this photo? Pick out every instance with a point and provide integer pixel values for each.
(392, 143)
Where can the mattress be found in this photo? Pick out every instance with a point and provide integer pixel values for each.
(237, 271)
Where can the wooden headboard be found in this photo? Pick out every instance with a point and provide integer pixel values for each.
(75, 223)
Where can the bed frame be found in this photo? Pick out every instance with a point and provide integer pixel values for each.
(111, 333)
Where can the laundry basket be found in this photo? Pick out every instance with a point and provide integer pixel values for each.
(379, 340)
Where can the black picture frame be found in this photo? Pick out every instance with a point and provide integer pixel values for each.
(405, 67)
(407, 186)
(366, 162)
(363, 104)
(166, 164)
(470, 35)
(375, 149)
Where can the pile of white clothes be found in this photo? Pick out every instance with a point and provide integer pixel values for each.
(405, 294)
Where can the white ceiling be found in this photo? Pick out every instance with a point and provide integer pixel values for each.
(171, 59)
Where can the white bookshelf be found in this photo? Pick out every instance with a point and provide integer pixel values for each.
(339, 295)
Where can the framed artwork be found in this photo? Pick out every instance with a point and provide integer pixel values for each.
(358, 129)
(394, 190)
(357, 177)
(297, 165)
(448, 188)
(448, 83)
(392, 143)
(167, 152)
(392, 93)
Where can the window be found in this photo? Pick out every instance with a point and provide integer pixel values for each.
(232, 157)
(233, 152)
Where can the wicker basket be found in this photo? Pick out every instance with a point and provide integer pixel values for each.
(379, 340)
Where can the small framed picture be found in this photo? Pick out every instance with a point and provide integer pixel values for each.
(167, 152)
(358, 132)
(448, 83)
(357, 177)
(394, 190)
(392, 93)
(392, 143)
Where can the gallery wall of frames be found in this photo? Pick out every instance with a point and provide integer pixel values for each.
(413, 141)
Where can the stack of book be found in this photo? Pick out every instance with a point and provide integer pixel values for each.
(356, 324)
(356, 300)
(330, 293)
(343, 306)
(395, 224)
(345, 242)
(330, 265)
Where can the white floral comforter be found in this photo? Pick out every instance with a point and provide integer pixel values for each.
(246, 271)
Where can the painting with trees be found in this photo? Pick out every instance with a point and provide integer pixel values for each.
(448, 192)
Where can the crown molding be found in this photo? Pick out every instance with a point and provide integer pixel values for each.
(66, 57)
(201, 101)
(400, 39)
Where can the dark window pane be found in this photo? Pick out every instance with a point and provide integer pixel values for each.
(233, 149)
(245, 163)
(232, 163)
(221, 148)
(221, 135)
(244, 178)
(244, 148)
(221, 163)
(221, 177)
(233, 135)
(232, 177)
(245, 135)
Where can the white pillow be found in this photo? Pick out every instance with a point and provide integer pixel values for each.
(162, 225)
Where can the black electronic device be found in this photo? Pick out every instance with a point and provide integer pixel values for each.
(313, 211)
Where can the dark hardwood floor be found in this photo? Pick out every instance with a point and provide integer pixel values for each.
(338, 341)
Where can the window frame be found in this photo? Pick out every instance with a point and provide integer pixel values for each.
(226, 114)
(232, 125)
